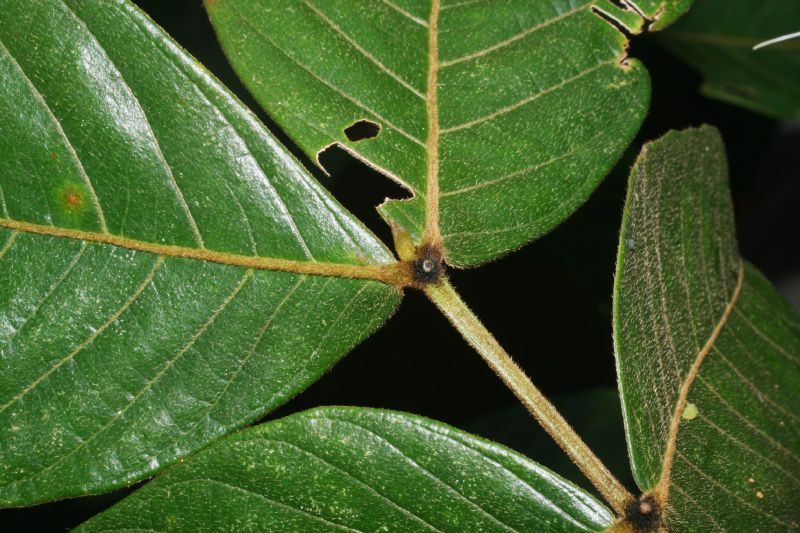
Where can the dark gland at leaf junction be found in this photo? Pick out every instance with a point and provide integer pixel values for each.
(644, 514)
(427, 267)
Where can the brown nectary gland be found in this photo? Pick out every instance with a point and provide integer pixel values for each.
(644, 514)
(427, 266)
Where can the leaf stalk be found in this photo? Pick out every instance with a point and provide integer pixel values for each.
(444, 296)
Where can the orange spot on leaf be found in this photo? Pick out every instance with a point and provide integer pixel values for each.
(73, 199)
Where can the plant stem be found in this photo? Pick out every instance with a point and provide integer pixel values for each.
(449, 302)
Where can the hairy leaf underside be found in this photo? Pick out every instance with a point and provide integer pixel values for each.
(708, 353)
(169, 273)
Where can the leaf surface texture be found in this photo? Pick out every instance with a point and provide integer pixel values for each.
(135, 191)
(500, 117)
(708, 353)
(662, 13)
(352, 469)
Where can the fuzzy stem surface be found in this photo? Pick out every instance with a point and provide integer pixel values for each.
(444, 296)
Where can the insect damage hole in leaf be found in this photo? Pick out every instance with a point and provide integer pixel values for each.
(621, 17)
(361, 130)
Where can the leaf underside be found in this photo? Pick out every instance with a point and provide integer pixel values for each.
(708, 353)
(514, 109)
(348, 469)
(114, 361)
(717, 38)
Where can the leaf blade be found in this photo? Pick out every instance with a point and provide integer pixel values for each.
(571, 104)
(682, 296)
(661, 12)
(136, 332)
(371, 469)
(717, 40)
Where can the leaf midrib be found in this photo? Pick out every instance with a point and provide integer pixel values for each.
(393, 273)
(661, 490)
(432, 234)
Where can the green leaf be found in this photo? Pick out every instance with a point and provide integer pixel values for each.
(354, 469)
(708, 353)
(501, 117)
(143, 212)
(662, 13)
(717, 38)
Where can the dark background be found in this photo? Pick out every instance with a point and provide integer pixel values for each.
(549, 304)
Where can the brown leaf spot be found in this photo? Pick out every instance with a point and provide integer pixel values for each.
(73, 199)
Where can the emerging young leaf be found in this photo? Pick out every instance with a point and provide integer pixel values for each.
(352, 469)
(143, 211)
(501, 117)
(717, 39)
(708, 353)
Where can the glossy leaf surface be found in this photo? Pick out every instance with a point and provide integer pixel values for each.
(142, 207)
(717, 38)
(708, 353)
(350, 469)
(501, 116)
